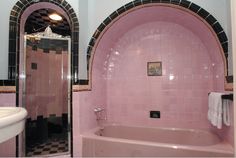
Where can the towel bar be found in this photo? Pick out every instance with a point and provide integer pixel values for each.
(227, 96)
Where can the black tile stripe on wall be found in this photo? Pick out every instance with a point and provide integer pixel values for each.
(202, 13)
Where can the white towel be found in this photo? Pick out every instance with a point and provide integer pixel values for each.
(215, 109)
(226, 114)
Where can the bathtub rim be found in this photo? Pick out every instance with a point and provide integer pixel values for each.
(221, 147)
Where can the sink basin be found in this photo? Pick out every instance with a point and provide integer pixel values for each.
(12, 122)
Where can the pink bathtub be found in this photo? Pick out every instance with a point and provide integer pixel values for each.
(116, 140)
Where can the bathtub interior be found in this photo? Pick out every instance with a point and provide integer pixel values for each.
(192, 66)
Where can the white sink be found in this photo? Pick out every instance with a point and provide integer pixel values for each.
(12, 122)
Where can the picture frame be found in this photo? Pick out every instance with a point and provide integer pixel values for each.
(154, 68)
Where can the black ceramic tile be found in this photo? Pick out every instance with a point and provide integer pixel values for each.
(96, 34)
(107, 21)
(156, 1)
(9, 82)
(14, 14)
(114, 15)
(24, 2)
(137, 2)
(89, 50)
(217, 28)
(121, 10)
(76, 36)
(83, 82)
(185, 3)
(12, 59)
(129, 5)
(101, 27)
(175, 2)
(34, 66)
(19, 4)
(92, 41)
(16, 9)
(12, 45)
(147, 1)
(203, 13)
(194, 7)
(225, 46)
(165, 1)
(1, 82)
(12, 18)
(211, 20)
(75, 60)
(222, 37)
(229, 79)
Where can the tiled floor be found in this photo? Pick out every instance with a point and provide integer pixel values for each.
(49, 147)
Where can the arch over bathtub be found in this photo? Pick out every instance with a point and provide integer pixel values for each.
(186, 6)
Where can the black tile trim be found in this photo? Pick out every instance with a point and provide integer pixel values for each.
(203, 13)
(195, 8)
(185, 3)
(229, 79)
(176, 2)
(222, 37)
(83, 82)
(7, 83)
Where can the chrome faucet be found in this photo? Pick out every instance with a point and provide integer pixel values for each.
(100, 113)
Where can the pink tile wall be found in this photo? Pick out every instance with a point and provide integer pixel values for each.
(192, 67)
(49, 98)
(180, 94)
(8, 148)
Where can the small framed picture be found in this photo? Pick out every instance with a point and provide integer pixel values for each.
(154, 68)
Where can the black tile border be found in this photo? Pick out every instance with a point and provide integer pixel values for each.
(192, 7)
(14, 36)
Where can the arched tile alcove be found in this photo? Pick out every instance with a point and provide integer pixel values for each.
(206, 18)
(193, 64)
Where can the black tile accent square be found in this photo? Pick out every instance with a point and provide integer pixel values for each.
(225, 46)
(211, 20)
(229, 79)
(185, 3)
(89, 50)
(137, 2)
(129, 5)
(222, 37)
(46, 50)
(107, 21)
(114, 15)
(121, 10)
(34, 66)
(165, 1)
(217, 28)
(175, 2)
(203, 13)
(194, 7)
(101, 27)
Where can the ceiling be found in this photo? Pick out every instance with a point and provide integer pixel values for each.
(39, 20)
